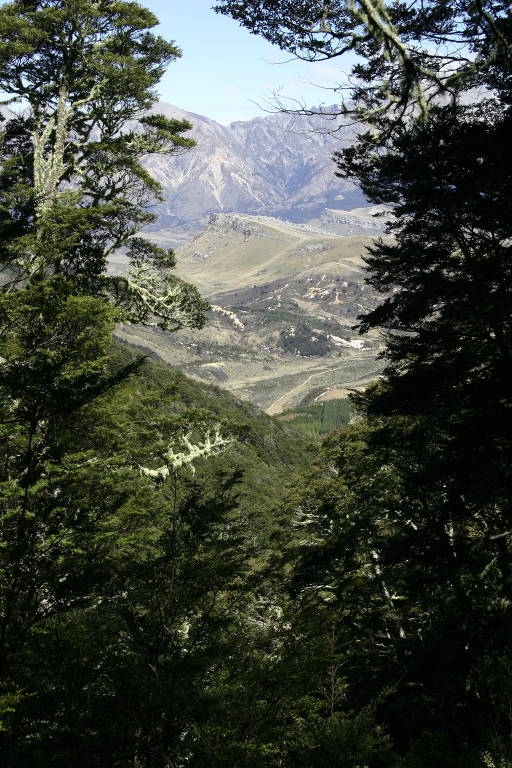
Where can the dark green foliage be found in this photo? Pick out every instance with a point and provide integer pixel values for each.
(87, 72)
(405, 526)
(300, 339)
(318, 419)
(89, 547)
(150, 616)
(449, 330)
(263, 447)
(417, 597)
(123, 596)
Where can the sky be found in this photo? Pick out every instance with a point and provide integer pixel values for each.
(226, 73)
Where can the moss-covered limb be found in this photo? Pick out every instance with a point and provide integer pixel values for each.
(154, 297)
(175, 459)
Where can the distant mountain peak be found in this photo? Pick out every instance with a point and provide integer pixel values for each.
(276, 165)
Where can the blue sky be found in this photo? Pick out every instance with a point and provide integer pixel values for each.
(224, 69)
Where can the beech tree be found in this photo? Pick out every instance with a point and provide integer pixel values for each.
(80, 80)
(408, 55)
(82, 75)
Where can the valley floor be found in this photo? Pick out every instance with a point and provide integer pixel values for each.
(285, 299)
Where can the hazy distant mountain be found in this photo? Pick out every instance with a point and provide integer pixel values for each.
(276, 165)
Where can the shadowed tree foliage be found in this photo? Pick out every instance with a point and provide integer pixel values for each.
(448, 324)
(407, 523)
(409, 54)
(151, 617)
(78, 525)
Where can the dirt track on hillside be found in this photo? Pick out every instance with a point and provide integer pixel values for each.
(289, 399)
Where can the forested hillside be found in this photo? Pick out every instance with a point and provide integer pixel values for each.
(183, 581)
(132, 590)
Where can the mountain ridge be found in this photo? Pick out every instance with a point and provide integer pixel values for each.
(277, 165)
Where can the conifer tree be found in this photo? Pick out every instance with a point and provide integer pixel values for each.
(408, 56)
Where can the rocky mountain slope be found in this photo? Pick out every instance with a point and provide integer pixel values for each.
(284, 299)
(274, 240)
(275, 165)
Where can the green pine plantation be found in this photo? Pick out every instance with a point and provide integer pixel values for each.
(317, 419)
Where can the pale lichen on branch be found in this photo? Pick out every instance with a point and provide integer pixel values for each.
(175, 459)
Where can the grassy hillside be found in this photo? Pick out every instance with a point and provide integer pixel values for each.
(284, 299)
(238, 251)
